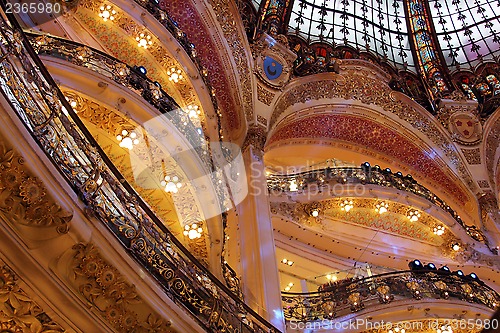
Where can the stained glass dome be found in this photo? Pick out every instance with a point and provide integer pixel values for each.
(467, 31)
(375, 25)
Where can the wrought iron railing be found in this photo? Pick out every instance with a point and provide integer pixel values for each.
(279, 183)
(34, 96)
(355, 295)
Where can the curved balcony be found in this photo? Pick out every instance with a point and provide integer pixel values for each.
(39, 104)
(348, 296)
(300, 182)
(153, 7)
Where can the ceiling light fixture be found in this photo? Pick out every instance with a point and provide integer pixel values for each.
(413, 215)
(455, 246)
(174, 74)
(193, 231)
(107, 13)
(287, 262)
(144, 40)
(331, 277)
(439, 230)
(171, 184)
(346, 205)
(193, 111)
(382, 207)
(290, 285)
(127, 139)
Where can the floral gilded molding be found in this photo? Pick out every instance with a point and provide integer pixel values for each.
(18, 312)
(372, 135)
(472, 156)
(23, 196)
(264, 95)
(109, 293)
(360, 86)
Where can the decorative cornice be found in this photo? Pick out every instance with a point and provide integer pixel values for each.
(18, 312)
(24, 200)
(107, 292)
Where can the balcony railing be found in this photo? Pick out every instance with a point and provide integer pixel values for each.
(34, 96)
(280, 183)
(355, 295)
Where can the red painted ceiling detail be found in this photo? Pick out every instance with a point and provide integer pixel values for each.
(372, 135)
(185, 14)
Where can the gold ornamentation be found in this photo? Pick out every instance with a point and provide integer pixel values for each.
(18, 312)
(264, 96)
(256, 136)
(23, 197)
(262, 120)
(111, 122)
(354, 86)
(483, 183)
(237, 44)
(107, 291)
(130, 54)
(473, 156)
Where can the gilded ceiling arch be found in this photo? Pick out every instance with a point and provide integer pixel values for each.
(234, 93)
(124, 108)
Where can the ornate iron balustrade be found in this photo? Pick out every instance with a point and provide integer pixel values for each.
(280, 183)
(232, 280)
(34, 96)
(353, 296)
(129, 77)
(138, 83)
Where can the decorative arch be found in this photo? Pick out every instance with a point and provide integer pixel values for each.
(207, 36)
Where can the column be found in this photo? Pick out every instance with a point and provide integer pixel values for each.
(259, 268)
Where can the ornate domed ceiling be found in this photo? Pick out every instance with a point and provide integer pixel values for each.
(465, 31)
